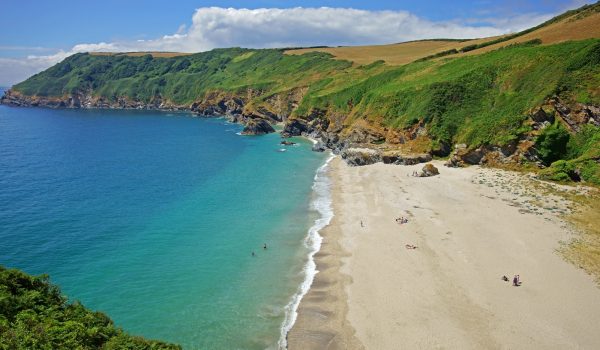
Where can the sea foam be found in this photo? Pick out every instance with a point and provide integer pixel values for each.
(322, 204)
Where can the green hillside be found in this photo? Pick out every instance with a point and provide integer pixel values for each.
(182, 79)
(476, 100)
(34, 315)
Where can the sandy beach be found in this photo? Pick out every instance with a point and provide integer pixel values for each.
(471, 226)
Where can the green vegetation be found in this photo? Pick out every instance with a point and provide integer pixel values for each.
(439, 54)
(34, 315)
(477, 100)
(551, 144)
(181, 79)
(582, 158)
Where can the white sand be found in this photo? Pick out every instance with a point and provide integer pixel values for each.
(447, 293)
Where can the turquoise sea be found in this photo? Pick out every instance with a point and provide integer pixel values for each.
(152, 218)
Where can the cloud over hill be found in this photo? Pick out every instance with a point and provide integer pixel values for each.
(272, 27)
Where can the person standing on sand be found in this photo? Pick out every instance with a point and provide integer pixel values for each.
(516, 281)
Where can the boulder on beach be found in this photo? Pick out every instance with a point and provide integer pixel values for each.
(429, 170)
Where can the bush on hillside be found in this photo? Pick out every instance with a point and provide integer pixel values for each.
(551, 144)
(34, 315)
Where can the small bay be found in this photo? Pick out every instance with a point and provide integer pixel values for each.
(152, 218)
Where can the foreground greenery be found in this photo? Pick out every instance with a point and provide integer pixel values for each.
(34, 315)
(477, 100)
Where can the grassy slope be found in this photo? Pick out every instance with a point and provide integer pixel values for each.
(182, 79)
(393, 54)
(579, 24)
(34, 315)
(475, 100)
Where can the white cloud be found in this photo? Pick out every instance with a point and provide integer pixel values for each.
(270, 27)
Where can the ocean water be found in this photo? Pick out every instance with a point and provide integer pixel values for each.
(152, 218)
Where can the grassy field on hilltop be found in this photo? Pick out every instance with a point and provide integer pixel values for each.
(393, 54)
(577, 24)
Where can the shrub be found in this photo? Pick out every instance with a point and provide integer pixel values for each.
(551, 144)
(34, 315)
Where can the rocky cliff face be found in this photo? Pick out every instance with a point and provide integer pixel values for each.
(257, 126)
(523, 150)
(359, 142)
(257, 120)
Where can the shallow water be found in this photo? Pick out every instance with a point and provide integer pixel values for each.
(152, 218)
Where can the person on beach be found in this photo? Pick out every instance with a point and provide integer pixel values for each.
(361, 224)
(516, 281)
(504, 278)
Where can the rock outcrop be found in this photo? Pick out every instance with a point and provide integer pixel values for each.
(541, 118)
(360, 156)
(396, 157)
(257, 127)
(319, 146)
(577, 115)
(295, 127)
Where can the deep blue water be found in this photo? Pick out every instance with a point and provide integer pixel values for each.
(152, 217)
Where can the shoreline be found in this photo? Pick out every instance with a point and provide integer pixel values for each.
(321, 321)
(322, 203)
(471, 226)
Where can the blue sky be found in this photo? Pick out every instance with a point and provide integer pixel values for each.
(47, 31)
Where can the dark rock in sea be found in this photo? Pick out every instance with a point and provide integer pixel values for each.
(429, 170)
(287, 143)
(257, 127)
(361, 156)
